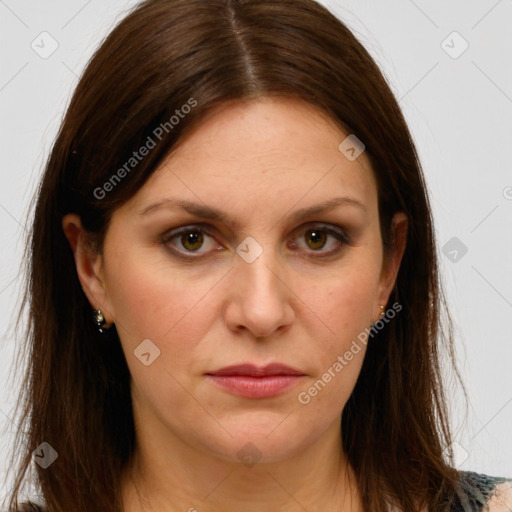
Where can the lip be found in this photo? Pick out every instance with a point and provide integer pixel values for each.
(252, 370)
(251, 381)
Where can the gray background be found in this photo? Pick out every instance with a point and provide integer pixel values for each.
(458, 106)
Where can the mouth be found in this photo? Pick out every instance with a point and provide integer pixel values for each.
(251, 381)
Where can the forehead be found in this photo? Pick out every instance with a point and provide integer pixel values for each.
(259, 154)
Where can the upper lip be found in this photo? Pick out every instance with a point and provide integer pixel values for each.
(252, 370)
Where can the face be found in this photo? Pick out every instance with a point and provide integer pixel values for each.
(217, 262)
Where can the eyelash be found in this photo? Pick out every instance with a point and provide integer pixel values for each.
(340, 236)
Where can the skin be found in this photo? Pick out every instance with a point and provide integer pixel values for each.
(260, 162)
(501, 500)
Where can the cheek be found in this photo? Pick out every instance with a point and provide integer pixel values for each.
(346, 307)
(154, 302)
(346, 302)
(151, 300)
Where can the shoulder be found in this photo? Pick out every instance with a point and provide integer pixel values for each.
(479, 491)
(501, 499)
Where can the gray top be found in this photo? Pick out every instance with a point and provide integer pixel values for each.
(475, 490)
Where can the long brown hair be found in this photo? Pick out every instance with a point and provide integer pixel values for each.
(76, 392)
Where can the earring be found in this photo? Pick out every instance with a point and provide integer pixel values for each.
(382, 314)
(100, 322)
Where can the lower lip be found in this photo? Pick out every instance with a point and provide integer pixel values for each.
(255, 387)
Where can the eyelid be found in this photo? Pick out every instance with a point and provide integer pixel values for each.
(202, 228)
(339, 234)
(324, 226)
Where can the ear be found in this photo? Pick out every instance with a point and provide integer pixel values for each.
(89, 265)
(391, 263)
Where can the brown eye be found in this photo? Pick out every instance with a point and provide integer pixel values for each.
(192, 240)
(322, 241)
(189, 240)
(318, 238)
(196, 242)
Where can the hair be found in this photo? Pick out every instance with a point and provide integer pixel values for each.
(163, 55)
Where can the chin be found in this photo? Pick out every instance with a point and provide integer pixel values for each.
(258, 444)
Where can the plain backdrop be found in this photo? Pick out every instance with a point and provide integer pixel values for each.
(448, 63)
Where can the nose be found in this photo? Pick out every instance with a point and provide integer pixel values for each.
(259, 297)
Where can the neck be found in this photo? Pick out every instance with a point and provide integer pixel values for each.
(177, 477)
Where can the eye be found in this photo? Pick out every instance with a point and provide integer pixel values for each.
(189, 239)
(317, 238)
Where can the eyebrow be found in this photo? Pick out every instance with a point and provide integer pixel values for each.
(208, 212)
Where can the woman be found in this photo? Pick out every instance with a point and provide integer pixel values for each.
(233, 290)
